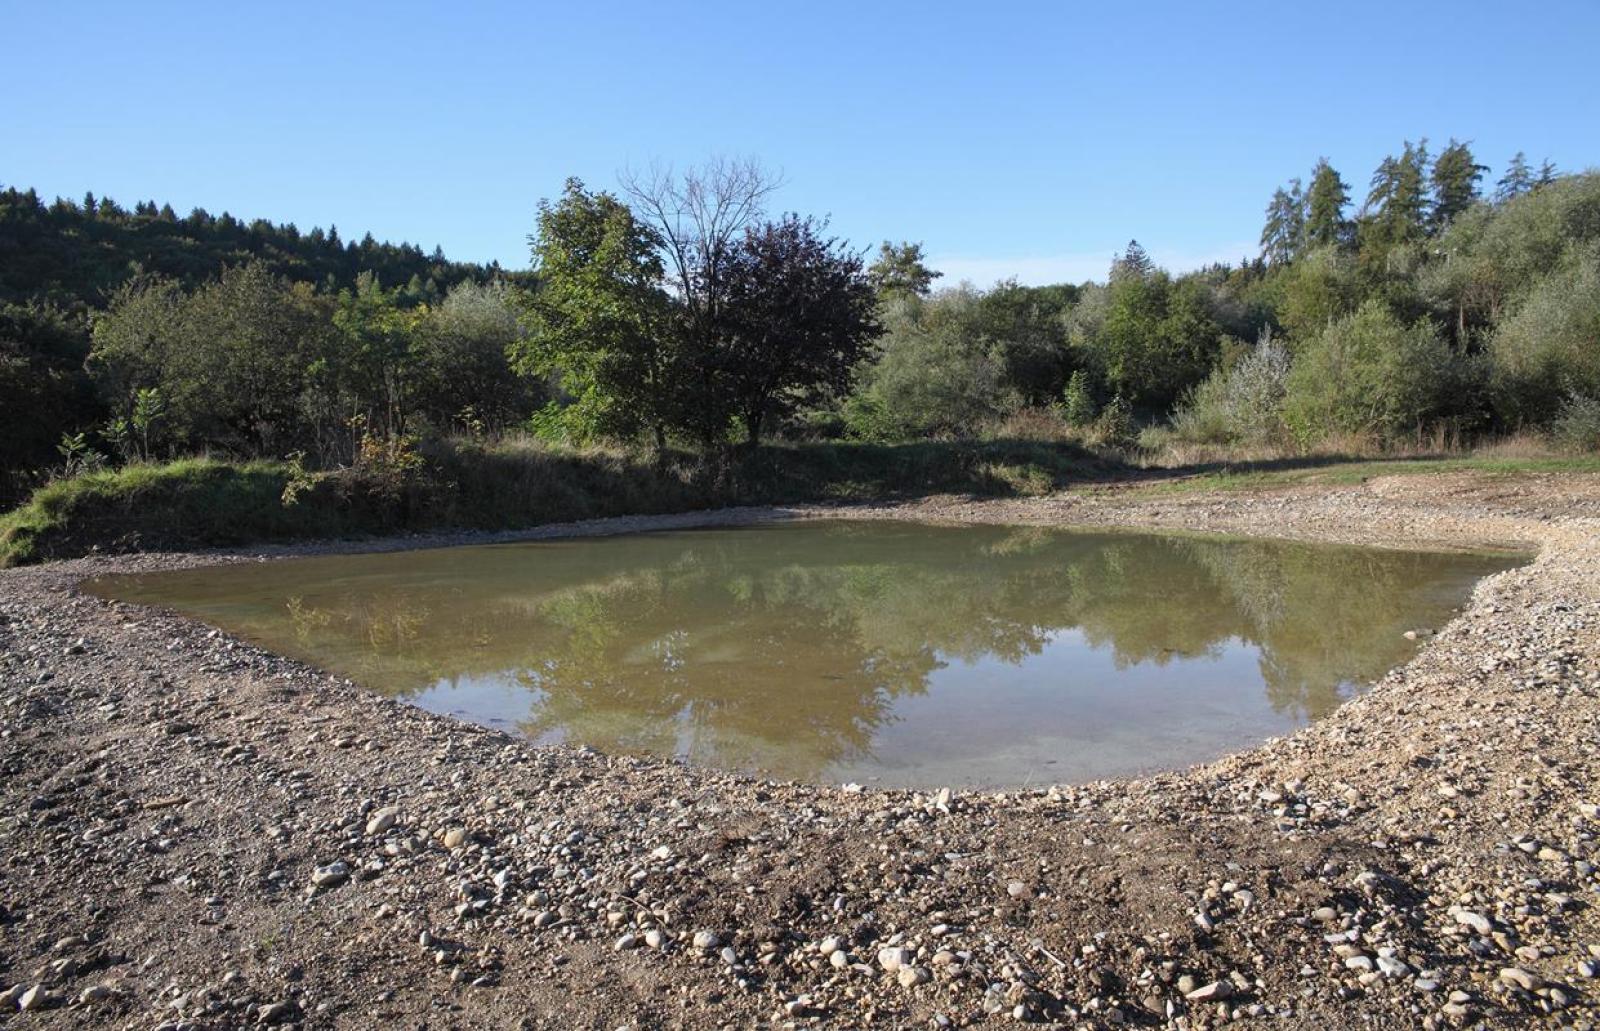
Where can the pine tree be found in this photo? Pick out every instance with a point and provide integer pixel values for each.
(1547, 174)
(1325, 204)
(1517, 180)
(1284, 231)
(1455, 183)
(1133, 263)
(1397, 204)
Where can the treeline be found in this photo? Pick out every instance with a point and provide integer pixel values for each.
(676, 312)
(250, 294)
(73, 254)
(1432, 311)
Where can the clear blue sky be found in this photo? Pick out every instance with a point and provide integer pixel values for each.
(1025, 138)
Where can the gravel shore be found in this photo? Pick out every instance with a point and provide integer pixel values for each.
(198, 834)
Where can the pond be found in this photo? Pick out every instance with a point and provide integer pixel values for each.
(896, 653)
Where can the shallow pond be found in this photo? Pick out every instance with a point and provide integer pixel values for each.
(899, 653)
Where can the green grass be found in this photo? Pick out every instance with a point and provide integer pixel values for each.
(199, 502)
(196, 503)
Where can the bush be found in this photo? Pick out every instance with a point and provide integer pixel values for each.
(935, 374)
(1577, 427)
(1077, 401)
(1238, 404)
(1549, 347)
(1368, 373)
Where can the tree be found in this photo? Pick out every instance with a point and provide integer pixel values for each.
(1325, 203)
(1284, 231)
(697, 220)
(1455, 183)
(1369, 373)
(1397, 204)
(934, 373)
(1547, 174)
(600, 322)
(798, 317)
(464, 343)
(1132, 263)
(901, 271)
(1517, 180)
(231, 359)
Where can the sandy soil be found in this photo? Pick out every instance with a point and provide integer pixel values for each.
(198, 834)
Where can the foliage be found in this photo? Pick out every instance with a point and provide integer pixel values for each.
(600, 322)
(76, 255)
(44, 392)
(1240, 403)
(1078, 406)
(1577, 425)
(1369, 373)
(901, 271)
(799, 315)
(935, 373)
(1549, 348)
(205, 502)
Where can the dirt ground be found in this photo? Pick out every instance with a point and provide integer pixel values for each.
(197, 834)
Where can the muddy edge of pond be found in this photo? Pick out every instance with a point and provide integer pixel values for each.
(194, 833)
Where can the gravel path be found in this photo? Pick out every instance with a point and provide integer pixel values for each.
(198, 834)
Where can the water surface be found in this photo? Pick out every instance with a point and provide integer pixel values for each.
(901, 653)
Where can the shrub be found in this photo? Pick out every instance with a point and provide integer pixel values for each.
(1238, 404)
(1077, 401)
(1369, 373)
(1577, 426)
(1549, 347)
(935, 374)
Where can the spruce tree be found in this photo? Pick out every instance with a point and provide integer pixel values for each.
(1325, 204)
(1283, 233)
(1547, 174)
(1517, 180)
(1455, 183)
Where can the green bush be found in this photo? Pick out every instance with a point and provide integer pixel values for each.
(936, 374)
(1577, 426)
(1369, 373)
(1549, 347)
(1238, 404)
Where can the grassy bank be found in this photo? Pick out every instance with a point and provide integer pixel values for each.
(1348, 471)
(201, 502)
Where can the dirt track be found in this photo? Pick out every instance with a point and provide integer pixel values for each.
(194, 833)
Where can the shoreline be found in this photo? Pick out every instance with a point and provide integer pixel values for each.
(171, 796)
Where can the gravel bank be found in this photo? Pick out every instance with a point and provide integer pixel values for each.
(194, 833)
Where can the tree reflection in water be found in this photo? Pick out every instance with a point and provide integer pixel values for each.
(795, 648)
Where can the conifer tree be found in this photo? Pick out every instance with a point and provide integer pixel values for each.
(1517, 180)
(1325, 204)
(1455, 182)
(1283, 233)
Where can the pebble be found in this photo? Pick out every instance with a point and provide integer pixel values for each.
(455, 837)
(1527, 980)
(1215, 990)
(706, 940)
(36, 998)
(382, 820)
(910, 977)
(330, 876)
(892, 959)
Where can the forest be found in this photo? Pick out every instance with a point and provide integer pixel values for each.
(1443, 307)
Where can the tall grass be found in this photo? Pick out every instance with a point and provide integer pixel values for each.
(511, 484)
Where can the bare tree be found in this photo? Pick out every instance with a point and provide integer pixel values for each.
(701, 215)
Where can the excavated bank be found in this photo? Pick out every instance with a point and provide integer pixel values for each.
(195, 833)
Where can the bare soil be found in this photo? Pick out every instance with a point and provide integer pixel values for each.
(198, 834)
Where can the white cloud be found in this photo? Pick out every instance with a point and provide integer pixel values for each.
(1040, 270)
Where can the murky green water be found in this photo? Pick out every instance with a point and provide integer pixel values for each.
(903, 653)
